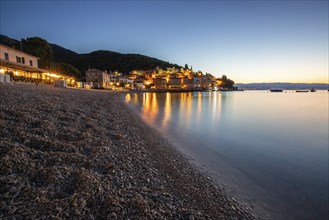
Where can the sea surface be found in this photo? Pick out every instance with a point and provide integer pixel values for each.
(270, 150)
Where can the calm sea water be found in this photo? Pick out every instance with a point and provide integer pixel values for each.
(271, 149)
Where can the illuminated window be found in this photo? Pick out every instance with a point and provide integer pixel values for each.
(6, 56)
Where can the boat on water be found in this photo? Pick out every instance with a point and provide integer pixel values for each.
(302, 91)
(276, 90)
(312, 90)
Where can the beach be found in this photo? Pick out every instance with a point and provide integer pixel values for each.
(74, 153)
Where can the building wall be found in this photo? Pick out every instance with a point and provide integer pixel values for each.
(17, 56)
(160, 83)
(175, 82)
(197, 82)
(99, 78)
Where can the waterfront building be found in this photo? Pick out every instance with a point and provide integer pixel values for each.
(23, 66)
(160, 83)
(207, 82)
(138, 84)
(174, 81)
(187, 83)
(115, 77)
(100, 79)
(197, 82)
(128, 82)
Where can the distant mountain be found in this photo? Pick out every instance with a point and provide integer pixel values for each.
(287, 86)
(102, 59)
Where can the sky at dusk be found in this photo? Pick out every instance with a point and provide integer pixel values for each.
(249, 41)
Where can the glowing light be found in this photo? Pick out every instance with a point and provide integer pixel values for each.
(2, 70)
(128, 98)
(148, 82)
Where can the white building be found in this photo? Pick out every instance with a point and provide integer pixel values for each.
(20, 64)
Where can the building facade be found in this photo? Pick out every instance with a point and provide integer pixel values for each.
(21, 65)
(100, 79)
(12, 55)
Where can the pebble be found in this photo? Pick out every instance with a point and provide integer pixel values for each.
(12, 210)
(101, 158)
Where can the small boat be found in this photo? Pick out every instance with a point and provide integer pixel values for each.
(301, 90)
(276, 90)
(312, 90)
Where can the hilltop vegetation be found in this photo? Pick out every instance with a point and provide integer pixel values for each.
(55, 57)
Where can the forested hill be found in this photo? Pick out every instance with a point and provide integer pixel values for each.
(102, 59)
(108, 60)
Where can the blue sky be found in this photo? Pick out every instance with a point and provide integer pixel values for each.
(249, 41)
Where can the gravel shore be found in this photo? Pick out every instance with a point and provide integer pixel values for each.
(71, 153)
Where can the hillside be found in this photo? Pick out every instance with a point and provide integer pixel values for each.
(108, 60)
(102, 59)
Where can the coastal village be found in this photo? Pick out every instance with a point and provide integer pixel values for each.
(83, 154)
(16, 65)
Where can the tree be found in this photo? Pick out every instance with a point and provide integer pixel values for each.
(225, 82)
(38, 47)
(186, 67)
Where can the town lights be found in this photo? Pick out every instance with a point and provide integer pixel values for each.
(2, 70)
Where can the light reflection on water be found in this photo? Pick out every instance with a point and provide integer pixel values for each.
(273, 146)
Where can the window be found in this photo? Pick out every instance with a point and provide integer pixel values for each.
(6, 56)
(31, 63)
(23, 60)
(18, 59)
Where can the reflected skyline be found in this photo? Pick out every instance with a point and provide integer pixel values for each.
(159, 107)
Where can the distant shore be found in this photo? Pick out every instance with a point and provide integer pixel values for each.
(72, 153)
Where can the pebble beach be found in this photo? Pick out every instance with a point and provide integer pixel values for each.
(83, 154)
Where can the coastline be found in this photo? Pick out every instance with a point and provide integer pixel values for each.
(69, 153)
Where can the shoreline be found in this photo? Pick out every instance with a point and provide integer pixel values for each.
(71, 153)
